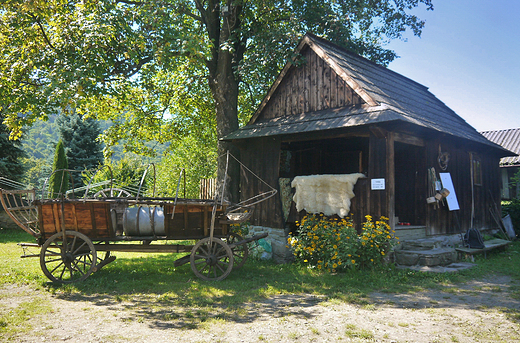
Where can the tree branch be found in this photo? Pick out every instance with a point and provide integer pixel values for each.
(131, 69)
(128, 2)
(42, 30)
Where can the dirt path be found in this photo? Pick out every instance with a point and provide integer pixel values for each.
(480, 311)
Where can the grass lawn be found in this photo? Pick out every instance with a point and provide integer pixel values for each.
(152, 279)
(154, 274)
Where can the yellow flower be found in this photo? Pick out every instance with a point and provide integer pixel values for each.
(383, 253)
(334, 265)
(305, 261)
(353, 261)
(335, 246)
(319, 266)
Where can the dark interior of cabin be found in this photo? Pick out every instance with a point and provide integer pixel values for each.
(410, 184)
(327, 156)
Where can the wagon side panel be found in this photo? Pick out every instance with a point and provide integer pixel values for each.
(192, 222)
(91, 219)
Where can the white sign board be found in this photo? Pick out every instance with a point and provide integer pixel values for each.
(451, 199)
(378, 184)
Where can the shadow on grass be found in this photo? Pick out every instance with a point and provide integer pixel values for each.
(149, 288)
(15, 235)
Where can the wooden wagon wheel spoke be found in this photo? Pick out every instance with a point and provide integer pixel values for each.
(211, 259)
(59, 265)
(110, 193)
(240, 252)
(78, 249)
(221, 265)
(68, 259)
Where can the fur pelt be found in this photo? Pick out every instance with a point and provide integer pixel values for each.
(327, 194)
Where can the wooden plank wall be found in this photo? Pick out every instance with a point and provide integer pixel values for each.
(313, 86)
(377, 168)
(262, 156)
(443, 221)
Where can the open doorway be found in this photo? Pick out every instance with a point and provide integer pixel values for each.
(410, 184)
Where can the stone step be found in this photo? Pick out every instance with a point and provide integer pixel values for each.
(432, 257)
(422, 244)
(408, 232)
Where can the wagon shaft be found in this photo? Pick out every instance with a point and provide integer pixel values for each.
(249, 240)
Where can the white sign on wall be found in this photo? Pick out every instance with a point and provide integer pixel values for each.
(451, 199)
(378, 184)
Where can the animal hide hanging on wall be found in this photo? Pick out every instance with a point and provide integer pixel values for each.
(327, 194)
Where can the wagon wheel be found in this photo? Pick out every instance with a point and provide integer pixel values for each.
(240, 252)
(68, 260)
(113, 193)
(211, 259)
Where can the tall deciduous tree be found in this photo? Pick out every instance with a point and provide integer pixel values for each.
(130, 60)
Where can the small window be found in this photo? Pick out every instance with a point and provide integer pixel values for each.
(476, 169)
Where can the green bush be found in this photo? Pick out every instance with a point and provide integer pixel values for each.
(333, 244)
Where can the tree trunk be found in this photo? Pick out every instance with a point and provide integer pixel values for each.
(225, 93)
(224, 86)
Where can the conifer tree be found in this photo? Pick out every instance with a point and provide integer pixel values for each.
(10, 155)
(59, 181)
(82, 148)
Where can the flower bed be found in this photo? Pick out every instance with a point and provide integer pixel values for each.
(333, 244)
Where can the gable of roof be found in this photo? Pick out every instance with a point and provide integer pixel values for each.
(387, 96)
(510, 140)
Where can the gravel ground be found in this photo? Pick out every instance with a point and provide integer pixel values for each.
(479, 311)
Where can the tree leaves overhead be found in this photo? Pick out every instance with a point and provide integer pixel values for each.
(158, 68)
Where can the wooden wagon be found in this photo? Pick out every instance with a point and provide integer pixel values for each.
(77, 235)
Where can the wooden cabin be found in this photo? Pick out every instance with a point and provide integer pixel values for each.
(510, 165)
(334, 112)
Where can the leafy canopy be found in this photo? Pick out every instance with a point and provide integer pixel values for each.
(164, 68)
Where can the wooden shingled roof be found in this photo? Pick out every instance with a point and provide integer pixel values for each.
(385, 95)
(510, 140)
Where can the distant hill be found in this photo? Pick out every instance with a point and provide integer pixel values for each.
(40, 139)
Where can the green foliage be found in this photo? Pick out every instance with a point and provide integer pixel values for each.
(59, 181)
(11, 154)
(39, 139)
(513, 209)
(126, 172)
(334, 245)
(38, 170)
(197, 157)
(141, 63)
(80, 139)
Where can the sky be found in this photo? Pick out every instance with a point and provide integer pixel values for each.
(468, 56)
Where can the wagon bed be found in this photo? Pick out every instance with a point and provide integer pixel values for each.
(77, 235)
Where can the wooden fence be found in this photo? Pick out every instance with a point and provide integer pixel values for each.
(208, 188)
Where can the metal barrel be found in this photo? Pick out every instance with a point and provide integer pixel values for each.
(144, 221)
